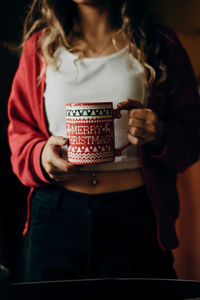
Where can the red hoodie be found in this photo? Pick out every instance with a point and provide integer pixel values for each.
(175, 101)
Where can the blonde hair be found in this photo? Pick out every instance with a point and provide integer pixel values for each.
(44, 14)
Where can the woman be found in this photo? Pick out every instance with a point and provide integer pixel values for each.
(114, 219)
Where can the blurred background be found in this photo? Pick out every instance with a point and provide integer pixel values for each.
(183, 16)
(12, 193)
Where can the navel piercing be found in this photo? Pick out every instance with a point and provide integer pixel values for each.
(94, 180)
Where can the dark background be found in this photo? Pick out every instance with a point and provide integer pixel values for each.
(12, 193)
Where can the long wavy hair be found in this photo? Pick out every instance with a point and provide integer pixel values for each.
(58, 20)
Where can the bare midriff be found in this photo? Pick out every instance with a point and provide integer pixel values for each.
(104, 182)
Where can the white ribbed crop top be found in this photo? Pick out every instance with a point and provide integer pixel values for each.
(110, 78)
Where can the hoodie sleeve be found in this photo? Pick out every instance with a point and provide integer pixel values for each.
(27, 133)
(181, 113)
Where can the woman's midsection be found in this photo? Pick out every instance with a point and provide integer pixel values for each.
(104, 182)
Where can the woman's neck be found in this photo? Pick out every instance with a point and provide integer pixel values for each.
(94, 21)
(96, 32)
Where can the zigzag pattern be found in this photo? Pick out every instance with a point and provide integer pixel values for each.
(89, 120)
(85, 159)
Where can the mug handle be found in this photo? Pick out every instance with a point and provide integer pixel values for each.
(117, 115)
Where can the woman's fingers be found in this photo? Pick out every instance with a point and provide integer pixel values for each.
(136, 123)
(135, 140)
(54, 165)
(141, 133)
(148, 126)
(143, 126)
(58, 162)
(143, 118)
(58, 175)
(143, 114)
(58, 140)
(129, 104)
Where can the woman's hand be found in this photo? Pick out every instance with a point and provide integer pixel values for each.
(144, 125)
(53, 164)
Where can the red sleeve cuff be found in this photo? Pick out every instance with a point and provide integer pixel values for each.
(36, 163)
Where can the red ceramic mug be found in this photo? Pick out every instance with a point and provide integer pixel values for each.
(90, 129)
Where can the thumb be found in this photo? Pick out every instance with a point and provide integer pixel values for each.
(129, 104)
(59, 140)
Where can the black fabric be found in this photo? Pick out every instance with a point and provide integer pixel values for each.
(74, 235)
